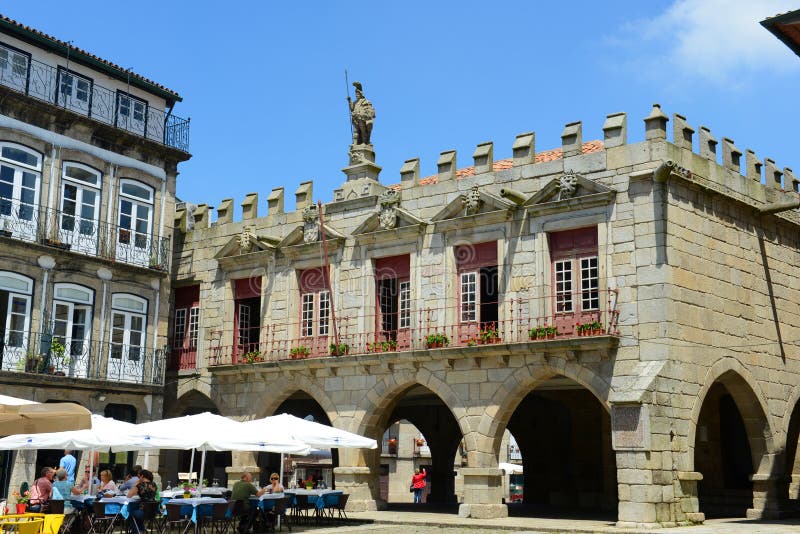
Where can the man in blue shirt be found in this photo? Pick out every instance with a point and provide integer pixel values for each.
(68, 464)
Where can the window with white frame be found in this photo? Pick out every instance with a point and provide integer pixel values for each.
(307, 315)
(72, 322)
(479, 290)
(14, 68)
(15, 307)
(394, 298)
(315, 303)
(80, 206)
(405, 304)
(469, 296)
(324, 313)
(590, 284)
(563, 278)
(576, 277)
(20, 174)
(135, 221)
(194, 324)
(128, 323)
(179, 328)
(74, 91)
(131, 113)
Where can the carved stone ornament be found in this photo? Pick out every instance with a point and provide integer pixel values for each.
(472, 201)
(567, 185)
(310, 224)
(389, 202)
(356, 156)
(246, 239)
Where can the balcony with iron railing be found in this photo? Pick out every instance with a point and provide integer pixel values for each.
(43, 355)
(79, 95)
(70, 232)
(427, 328)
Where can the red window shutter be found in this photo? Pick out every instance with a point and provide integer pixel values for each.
(187, 297)
(470, 257)
(572, 242)
(246, 288)
(393, 267)
(312, 280)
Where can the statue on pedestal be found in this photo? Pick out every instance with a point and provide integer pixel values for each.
(362, 115)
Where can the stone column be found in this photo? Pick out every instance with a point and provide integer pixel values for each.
(770, 496)
(483, 493)
(687, 509)
(241, 462)
(358, 475)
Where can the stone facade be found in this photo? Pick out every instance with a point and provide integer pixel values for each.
(86, 242)
(687, 264)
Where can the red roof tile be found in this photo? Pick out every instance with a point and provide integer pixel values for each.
(61, 43)
(503, 164)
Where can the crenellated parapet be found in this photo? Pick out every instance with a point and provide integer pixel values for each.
(719, 163)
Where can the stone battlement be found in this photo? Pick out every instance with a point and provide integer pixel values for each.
(722, 164)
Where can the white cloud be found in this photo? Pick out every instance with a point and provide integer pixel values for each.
(718, 40)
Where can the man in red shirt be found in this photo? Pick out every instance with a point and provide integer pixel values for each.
(42, 490)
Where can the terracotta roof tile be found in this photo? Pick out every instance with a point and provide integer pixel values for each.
(89, 54)
(503, 164)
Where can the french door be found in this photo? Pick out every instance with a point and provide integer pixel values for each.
(17, 329)
(127, 355)
(74, 92)
(13, 69)
(133, 239)
(79, 216)
(72, 328)
(131, 113)
(19, 199)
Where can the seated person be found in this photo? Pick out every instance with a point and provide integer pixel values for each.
(242, 491)
(42, 491)
(107, 485)
(87, 480)
(275, 485)
(146, 490)
(131, 479)
(63, 489)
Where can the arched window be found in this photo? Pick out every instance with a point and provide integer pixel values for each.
(128, 329)
(16, 291)
(20, 174)
(134, 239)
(80, 206)
(72, 326)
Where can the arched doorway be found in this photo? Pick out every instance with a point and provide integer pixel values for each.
(428, 436)
(726, 451)
(563, 438)
(296, 469)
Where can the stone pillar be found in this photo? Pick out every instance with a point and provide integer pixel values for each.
(615, 130)
(655, 124)
(770, 497)
(572, 139)
(409, 173)
(524, 149)
(447, 165)
(483, 493)
(250, 206)
(225, 211)
(23, 470)
(242, 461)
(483, 157)
(687, 505)
(361, 483)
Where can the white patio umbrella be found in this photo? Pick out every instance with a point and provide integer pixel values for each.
(210, 432)
(315, 434)
(510, 469)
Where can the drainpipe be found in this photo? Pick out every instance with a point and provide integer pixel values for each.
(514, 196)
(109, 211)
(777, 207)
(104, 275)
(51, 191)
(155, 283)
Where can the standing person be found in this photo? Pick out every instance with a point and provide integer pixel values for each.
(68, 464)
(242, 491)
(418, 483)
(362, 115)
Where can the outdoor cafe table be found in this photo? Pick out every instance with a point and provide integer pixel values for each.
(171, 494)
(120, 505)
(194, 502)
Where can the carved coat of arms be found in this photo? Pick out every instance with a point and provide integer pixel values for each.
(389, 202)
(310, 224)
(472, 201)
(567, 185)
(246, 239)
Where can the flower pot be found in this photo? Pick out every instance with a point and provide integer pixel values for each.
(22, 508)
(187, 494)
(597, 332)
(551, 336)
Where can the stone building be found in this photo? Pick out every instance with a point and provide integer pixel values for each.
(627, 310)
(88, 162)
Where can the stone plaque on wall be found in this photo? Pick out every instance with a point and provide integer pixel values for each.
(630, 427)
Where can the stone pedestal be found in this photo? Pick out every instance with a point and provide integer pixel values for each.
(362, 175)
(770, 497)
(361, 483)
(235, 472)
(688, 505)
(483, 493)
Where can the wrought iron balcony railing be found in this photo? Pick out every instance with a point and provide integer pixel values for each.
(73, 92)
(69, 231)
(82, 359)
(429, 328)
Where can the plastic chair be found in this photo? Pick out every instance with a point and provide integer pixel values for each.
(34, 526)
(53, 522)
(340, 506)
(278, 511)
(151, 515)
(176, 517)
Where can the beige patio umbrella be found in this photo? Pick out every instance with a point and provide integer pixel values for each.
(18, 416)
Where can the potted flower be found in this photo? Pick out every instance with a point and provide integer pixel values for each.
(375, 347)
(339, 349)
(488, 336)
(309, 484)
(33, 362)
(251, 357)
(300, 352)
(596, 328)
(187, 490)
(420, 442)
(22, 500)
(435, 341)
(392, 445)
(580, 329)
(389, 345)
(471, 342)
(550, 332)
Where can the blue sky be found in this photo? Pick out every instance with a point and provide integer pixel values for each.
(263, 82)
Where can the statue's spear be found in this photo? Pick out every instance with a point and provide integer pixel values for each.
(349, 110)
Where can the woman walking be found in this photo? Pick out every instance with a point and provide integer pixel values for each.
(418, 483)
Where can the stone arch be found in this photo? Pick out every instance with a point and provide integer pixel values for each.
(272, 400)
(385, 392)
(192, 397)
(517, 386)
(791, 434)
(752, 405)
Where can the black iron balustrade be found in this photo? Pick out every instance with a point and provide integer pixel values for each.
(66, 230)
(70, 91)
(81, 359)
